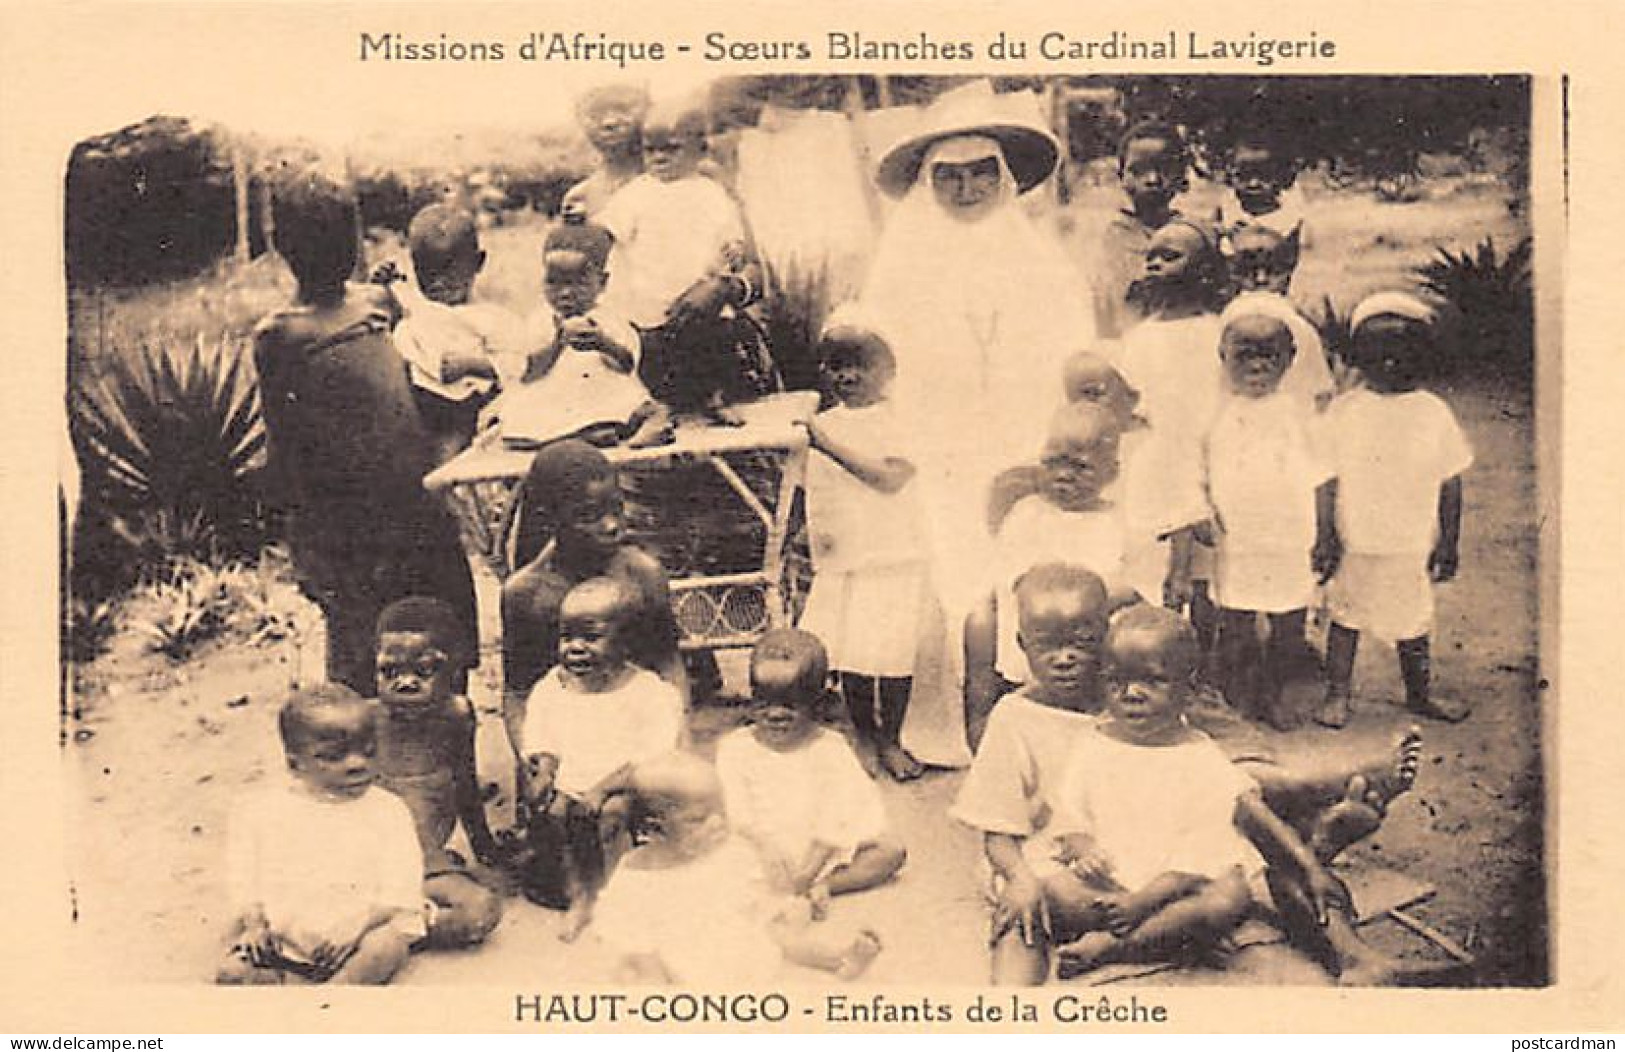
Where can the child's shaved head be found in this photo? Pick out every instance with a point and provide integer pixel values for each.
(327, 708)
(1257, 237)
(592, 241)
(789, 666)
(1061, 587)
(677, 119)
(1262, 259)
(1080, 425)
(678, 776)
(1147, 629)
(443, 237)
(316, 227)
(676, 798)
(430, 617)
(606, 598)
(1173, 143)
(629, 98)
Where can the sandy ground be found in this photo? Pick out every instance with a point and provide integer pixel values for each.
(158, 751)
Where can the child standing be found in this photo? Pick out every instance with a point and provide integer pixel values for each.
(794, 789)
(324, 870)
(1010, 792)
(1398, 455)
(1171, 360)
(451, 345)
(681, 269)
(1272, 502)
(588, 723)
(1261, 174)
(583, 379)
(690, 904)
(347, 449)
(870, 580)
(571, 528)
(426, 757)
(1152, 165)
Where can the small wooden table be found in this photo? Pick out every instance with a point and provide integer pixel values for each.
(761, 466)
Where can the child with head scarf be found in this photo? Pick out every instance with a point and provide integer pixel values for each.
(1270, 492)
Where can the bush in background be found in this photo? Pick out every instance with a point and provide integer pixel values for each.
(170, 442)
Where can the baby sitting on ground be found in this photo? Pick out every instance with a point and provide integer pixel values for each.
(690, 903)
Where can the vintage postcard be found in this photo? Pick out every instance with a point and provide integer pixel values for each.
(823, 518)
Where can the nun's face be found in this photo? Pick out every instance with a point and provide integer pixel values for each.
(968, 190)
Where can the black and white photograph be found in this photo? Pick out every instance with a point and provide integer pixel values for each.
(802, 531)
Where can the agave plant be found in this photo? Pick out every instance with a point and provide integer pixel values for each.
(1491, 300)
(171, 441)
(185, 609)
(88, 627)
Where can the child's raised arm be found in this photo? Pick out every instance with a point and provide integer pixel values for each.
(886, 474)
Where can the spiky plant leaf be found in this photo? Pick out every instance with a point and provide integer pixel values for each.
(171, 439)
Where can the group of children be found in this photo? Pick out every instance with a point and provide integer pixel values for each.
(1203, 486)
(338, 871)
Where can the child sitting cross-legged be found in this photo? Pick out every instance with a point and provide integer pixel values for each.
(582, 378)
(796, 791)
(589, 721)
(1010, 792)
(1160, 833)
(690, 903)
(324, 869)
(426, 757)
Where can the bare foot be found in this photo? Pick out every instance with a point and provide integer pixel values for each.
(1348, 820)
(860, 955)
(1447, 710)
(726, 415)
(1334, 713)
(1395, 775)
(900, 763)
(1124, 912)
(1085, 955)
(1217, 954)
